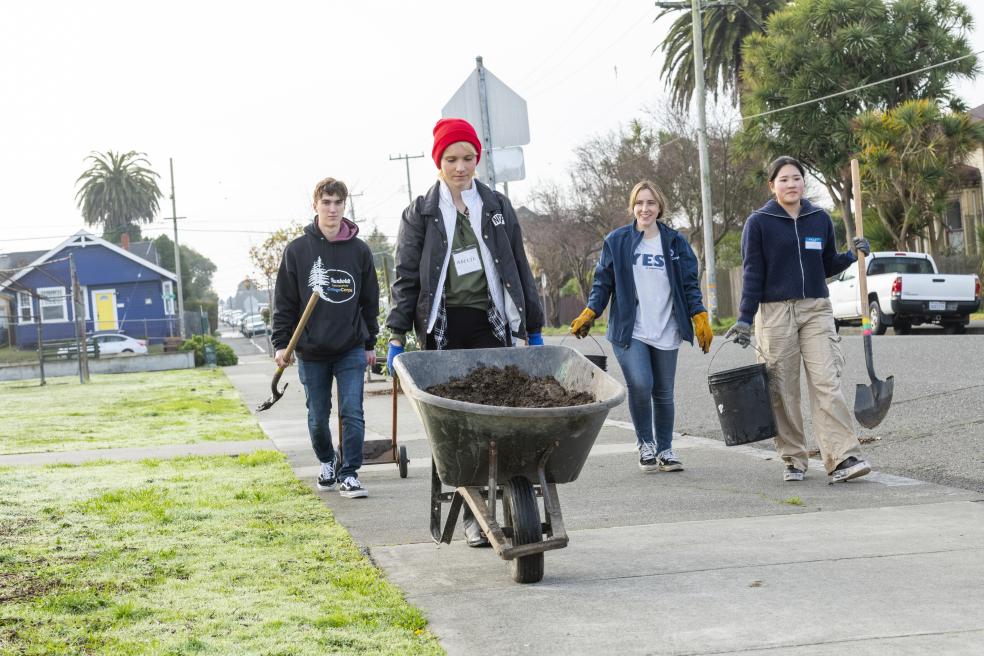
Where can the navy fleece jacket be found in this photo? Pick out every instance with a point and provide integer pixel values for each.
(785, 258)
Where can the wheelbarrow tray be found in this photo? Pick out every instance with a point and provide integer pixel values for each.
(459, 433)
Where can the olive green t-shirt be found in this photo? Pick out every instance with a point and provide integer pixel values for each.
(466, 284)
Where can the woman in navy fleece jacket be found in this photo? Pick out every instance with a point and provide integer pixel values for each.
(788, 252)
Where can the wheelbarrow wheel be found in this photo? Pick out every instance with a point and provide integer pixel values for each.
(522, 513)
(403, 461)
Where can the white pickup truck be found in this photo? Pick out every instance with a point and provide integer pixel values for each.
(905, 290)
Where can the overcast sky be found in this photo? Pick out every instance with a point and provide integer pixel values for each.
(256, 102)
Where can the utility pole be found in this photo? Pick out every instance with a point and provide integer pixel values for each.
(177, 256)
(406, 159)
(352, 204)
(78, 311)
(697, 24)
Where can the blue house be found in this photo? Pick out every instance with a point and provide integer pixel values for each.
(123, 289)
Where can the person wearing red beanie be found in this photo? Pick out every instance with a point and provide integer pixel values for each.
(462, 277)
(453, 130)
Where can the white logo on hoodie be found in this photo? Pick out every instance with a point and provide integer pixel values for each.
(332, 285)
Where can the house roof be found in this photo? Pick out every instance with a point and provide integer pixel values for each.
(83, 237)
(19, 259)
(146, 250)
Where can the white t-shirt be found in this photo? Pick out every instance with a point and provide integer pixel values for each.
(654, 322)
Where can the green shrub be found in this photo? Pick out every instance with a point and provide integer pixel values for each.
(224, 355)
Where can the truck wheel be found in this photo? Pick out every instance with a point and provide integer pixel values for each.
(901, 327)
(521, 511)
(878, 326)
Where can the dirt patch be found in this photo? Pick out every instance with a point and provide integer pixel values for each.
(22, 587)
(510, 387)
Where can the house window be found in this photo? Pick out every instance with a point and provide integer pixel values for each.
(25, 308)
(54, 304)
(85, 299)
(168, 298)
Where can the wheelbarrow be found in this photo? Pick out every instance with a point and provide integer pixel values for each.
(516, 455)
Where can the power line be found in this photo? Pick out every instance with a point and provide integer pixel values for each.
(858, 88)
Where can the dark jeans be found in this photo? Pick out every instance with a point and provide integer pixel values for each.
(468, 328)
(649, 373)
(316, 376)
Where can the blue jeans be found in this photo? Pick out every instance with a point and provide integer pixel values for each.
(649, 374)
(316, 376)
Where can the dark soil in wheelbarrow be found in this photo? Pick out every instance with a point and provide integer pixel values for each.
(510, 387)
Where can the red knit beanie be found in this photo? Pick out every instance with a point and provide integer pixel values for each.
(452, 130)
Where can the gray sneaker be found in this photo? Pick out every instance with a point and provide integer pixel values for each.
(792, 474)
(647, 457)
(848, 469)
(351, 488)
(668, 461)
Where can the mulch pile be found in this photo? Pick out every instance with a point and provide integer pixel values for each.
(510, 387)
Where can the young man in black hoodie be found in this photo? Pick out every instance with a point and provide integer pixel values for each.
(339, 340)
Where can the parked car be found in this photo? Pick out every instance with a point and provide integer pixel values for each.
(255, 326)
(110, 344)
(906, 289)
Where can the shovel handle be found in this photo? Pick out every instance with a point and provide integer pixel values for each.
(308, 309)
(859, 229)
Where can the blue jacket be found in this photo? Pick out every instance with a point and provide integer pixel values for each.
(613, 280)
(787, 259)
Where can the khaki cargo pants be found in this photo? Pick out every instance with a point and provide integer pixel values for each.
(803, 329)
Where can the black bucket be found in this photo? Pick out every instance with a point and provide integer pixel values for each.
(600, 361)
(743, 407)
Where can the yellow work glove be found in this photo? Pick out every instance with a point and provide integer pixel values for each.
(582, 325)
(702, 329)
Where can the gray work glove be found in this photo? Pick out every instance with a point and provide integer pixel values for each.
(863, 245)
(741, 333)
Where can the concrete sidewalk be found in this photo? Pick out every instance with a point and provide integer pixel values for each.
(720, 558)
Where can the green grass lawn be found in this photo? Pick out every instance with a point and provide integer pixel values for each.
(219, 555)
(13, 355)
(123, 410)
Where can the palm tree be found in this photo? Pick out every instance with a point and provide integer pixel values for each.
(118, 191)
(725, 28)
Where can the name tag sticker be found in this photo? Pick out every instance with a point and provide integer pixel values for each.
(467, 261)
(813, 244)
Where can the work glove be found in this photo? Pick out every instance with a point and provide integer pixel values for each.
(702, 329)
(582, 325)
(862, 244)
(394, 350)
(741, 333)
(534, 339)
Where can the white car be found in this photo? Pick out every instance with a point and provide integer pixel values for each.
(109, 344)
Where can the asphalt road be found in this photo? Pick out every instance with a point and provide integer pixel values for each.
(933, 432)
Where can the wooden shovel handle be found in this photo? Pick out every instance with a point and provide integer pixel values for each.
(308, 309)
(859, 229)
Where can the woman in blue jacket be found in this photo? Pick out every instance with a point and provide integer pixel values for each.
(788, 252)
(649, 272)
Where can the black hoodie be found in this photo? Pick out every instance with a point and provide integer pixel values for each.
(344, 276)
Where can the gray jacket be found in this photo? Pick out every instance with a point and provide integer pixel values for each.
(421, 251)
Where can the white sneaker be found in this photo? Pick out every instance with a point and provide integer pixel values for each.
(351, 488)
(647, 458)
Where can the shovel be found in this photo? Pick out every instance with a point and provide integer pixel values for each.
(871, 402)
(275, 393)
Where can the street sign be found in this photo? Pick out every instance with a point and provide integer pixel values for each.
(499, 116)
(509, 164)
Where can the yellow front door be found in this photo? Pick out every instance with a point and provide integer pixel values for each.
(105, 310)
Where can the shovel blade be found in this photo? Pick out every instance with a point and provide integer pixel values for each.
(871, 402)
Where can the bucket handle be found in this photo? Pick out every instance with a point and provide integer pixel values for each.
(718, 350)
(597, 343)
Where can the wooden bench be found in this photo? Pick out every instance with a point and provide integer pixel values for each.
(172, 344)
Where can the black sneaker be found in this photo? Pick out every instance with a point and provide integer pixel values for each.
(647, 458)
(351, 488)
(668, 461)
(792, 474)
(848, 469)
(326, 479)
